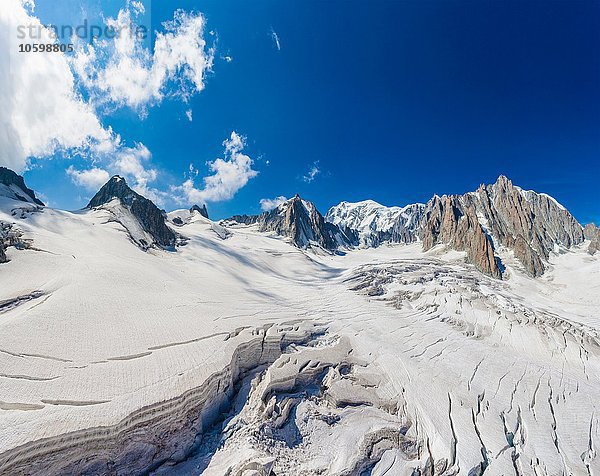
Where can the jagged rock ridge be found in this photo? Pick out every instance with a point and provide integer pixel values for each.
(14, 187)
(529, 224)
(446, 221)
(149, 217)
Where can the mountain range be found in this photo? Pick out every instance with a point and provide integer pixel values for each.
(486, 224)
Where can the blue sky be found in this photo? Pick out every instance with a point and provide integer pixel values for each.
(388, 100)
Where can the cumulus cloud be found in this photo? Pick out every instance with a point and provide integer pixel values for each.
(41, 111)
(133, 163)
(124, 72)
(312, 172)
(267, 204)
(91, 179)
(230, 175)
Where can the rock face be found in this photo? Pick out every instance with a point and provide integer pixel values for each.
(3, 258)
(149, 217)
(447, 221)
(14, 187)
(300, 221)
(528, 223)
(501, 215)
(203, 211)
(592, 233)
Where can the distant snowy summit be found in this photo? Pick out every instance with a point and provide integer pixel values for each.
(497, 221)
(374, 224)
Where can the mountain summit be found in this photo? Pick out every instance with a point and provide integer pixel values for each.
(13, 186)
(300, 221)
(144, 221)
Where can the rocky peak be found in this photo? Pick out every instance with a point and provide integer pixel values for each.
(149, 217)
(300, 221)
(116, 187)
(14, 186)
(449, 222)
(202, 211)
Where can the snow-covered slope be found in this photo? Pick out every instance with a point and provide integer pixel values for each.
(247, 355)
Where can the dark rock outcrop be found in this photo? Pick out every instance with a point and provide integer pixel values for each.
(8, 178)
(243, 219)
(149, 216)
(10, 235)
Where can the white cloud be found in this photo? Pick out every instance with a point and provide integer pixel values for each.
(188, 114)
(230, 175)
(123, 72)
(227, 58)
(91, 179)
(133, 163)
(275, 38)
(40, 112)
(312, 172)
(267, 204)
